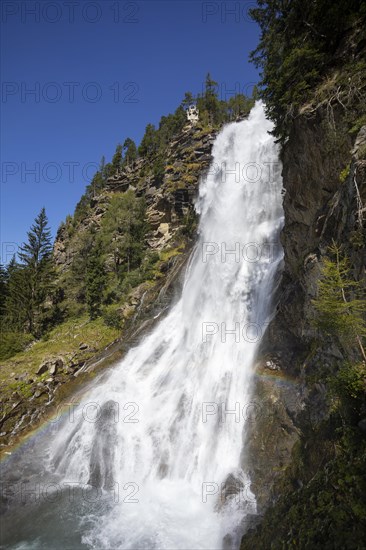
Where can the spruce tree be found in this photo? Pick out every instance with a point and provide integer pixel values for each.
(117, 159)
(130, 150)
(188, 100)
(148, 143)
(15, 306)
(3, 289)
(95, 282)
(37, 268)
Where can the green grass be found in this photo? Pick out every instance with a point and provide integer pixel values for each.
(165, 255)
(62, 341)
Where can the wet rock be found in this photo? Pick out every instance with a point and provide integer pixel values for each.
(271, 434)
(271, 365)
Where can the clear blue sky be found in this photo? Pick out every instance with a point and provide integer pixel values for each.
(101, 71)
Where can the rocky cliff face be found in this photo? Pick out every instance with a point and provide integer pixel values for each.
(320, 206)
(324, 175)
(169, 195)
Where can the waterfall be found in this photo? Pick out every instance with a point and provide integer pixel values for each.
(162, 437)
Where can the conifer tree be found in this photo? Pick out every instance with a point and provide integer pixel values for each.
(15, 306)
(148, 143)
(123, 231)
(95, 282)
(341, 310)
(188, 100)
(130, 149)
(3, 289)
(37, 270)
(117, 159)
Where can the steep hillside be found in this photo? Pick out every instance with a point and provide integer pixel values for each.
(33, 382)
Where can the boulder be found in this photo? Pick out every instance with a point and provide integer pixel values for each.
(55, 365)
(163, 229)
(42, 368)
(53, 369)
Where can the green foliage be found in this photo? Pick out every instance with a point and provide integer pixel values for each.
(349, 386)
(130, 150)
(188, 100)
(95, 282)
(3, 289)
(159, 169)
(361, 121)
(112, 317)
(339, 312)
(148, 143)
(239, 105)
(31, 281)
(12, 343)
(76, 280)
(117, 160)
(296, 48)
(123, 231)
(344, 173)
(328, 513)
(190, 224)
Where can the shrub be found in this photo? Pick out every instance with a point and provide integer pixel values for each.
(112, 317)
(12, 343)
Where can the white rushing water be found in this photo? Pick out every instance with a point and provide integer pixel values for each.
(159, 438)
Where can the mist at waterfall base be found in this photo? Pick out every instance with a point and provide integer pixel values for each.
(161, 465)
